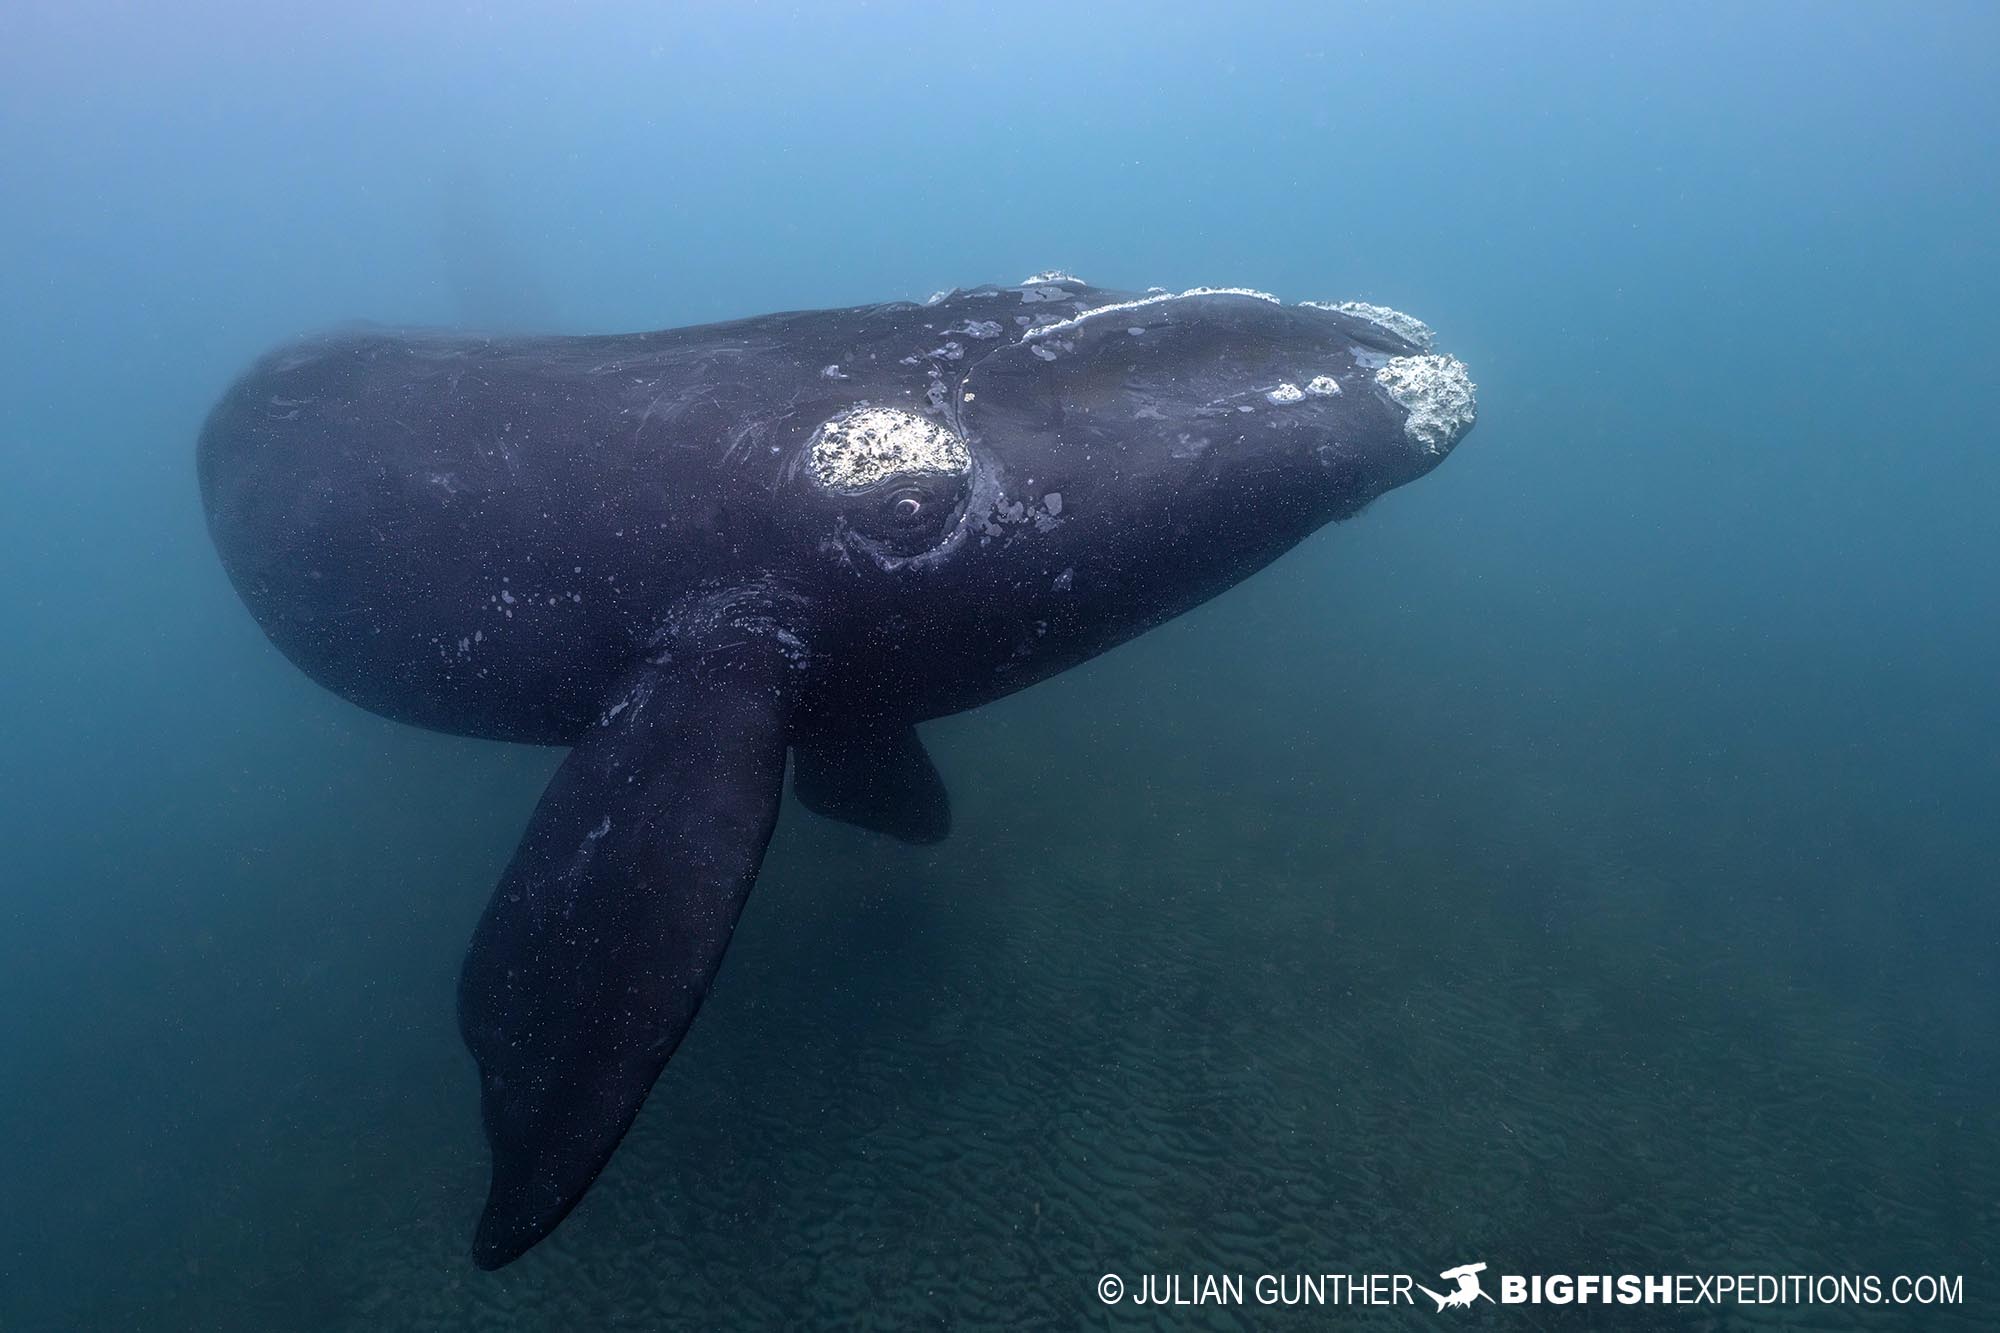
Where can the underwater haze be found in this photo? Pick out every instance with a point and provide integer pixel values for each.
(1583, 861)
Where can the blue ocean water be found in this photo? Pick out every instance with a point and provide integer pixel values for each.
(1583, 861)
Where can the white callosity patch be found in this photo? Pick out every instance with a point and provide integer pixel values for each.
(1320, 386)
(1049, 275)
(866, 444)
(1043, 330)
(1437, 393)
(1407, 327)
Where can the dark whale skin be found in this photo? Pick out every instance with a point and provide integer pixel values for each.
(631, 545)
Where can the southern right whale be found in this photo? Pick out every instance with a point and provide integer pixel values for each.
(686, 554)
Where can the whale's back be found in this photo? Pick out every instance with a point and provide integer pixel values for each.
(471, 534)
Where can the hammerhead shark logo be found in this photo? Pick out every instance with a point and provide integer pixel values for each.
(1468, 1290)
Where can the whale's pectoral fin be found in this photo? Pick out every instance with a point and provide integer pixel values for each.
(880, 779)
(609, 924)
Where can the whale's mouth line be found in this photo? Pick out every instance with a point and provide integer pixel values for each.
(1433, 392)
(1403, 328)
(1140, 303)
(1436, 395)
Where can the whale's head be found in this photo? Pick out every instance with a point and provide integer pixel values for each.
(1119, 459)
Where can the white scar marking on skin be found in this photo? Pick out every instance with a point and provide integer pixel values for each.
(863, 445)
(1058, 326)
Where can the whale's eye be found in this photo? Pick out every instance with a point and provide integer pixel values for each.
(883, 479)
(906, 515)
